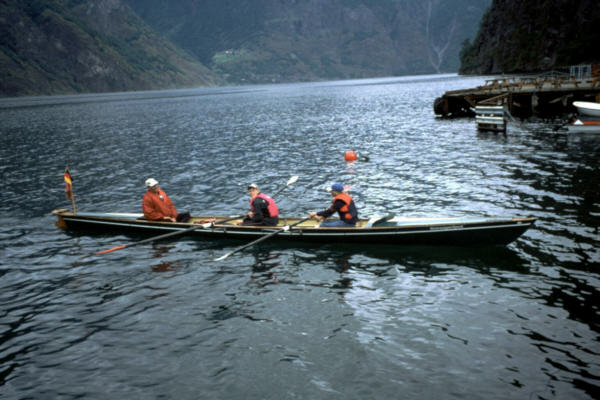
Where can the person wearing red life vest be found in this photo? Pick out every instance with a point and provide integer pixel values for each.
(157, 206)
(263, 209)
(343, 204)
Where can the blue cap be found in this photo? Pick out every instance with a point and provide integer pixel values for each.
(337, 187)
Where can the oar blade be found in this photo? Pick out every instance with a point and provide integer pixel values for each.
(222, 257)
(293, 179)
(110, 250)
(383, 220)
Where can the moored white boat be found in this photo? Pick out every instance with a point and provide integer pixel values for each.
(588, 108)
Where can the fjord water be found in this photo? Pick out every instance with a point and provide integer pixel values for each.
(309, 321)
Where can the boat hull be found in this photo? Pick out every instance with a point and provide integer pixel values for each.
(584, 127)
(398, 231)
(588, 108)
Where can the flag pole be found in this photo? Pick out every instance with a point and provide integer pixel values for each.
(73, 201)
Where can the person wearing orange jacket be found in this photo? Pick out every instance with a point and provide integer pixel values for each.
(157, 206)
(343, 204)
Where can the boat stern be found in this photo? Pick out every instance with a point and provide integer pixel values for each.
(60, 223)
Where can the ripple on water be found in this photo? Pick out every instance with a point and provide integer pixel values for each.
(163, 320)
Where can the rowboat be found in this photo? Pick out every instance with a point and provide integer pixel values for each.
(580, 126)
(588, 108)
(451, 231)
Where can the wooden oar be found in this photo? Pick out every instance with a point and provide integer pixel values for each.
(278, 231)
(159, 237)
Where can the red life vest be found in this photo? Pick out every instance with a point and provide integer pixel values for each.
(271, 206)
(348, 212)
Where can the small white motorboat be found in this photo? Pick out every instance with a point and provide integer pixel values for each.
(588, 108)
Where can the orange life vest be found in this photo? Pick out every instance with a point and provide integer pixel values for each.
(348, 212)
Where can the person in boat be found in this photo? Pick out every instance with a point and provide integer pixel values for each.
(157, 206)
(263, 209)
(343, 204)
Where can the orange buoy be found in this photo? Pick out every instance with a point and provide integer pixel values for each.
(350, 156)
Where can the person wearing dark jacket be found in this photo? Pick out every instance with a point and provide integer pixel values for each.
(263, 209)
(343, 204)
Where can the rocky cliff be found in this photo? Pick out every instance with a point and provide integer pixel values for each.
(533, 36)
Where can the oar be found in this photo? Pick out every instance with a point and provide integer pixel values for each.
(293, 179)
(278, 231)
(227, 220)
(159, 237)
(170, 234)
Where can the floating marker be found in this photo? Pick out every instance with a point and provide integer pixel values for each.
(350, 156)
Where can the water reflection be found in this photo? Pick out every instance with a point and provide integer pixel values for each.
(264, 262)
(160, 251)
(342, 257)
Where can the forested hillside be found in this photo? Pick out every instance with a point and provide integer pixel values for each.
(61, 46)
(532, 36)
(283, 41)
(78, 46)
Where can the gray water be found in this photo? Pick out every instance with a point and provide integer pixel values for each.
(295, 322)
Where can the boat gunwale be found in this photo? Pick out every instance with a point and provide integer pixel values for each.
(465, 231)
(114, 220)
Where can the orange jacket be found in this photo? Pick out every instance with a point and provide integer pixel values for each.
(348, 211)
(157, 206)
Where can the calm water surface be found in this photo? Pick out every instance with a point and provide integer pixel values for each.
(305, 322)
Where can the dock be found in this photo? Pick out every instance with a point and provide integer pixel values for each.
(546, 95)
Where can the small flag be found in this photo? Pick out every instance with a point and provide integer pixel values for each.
(69, 184)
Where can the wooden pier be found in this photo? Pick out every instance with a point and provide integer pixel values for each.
(548, 95)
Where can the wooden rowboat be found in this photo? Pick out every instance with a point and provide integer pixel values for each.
(454, 231)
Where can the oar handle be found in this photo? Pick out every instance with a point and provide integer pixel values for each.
(228, 219)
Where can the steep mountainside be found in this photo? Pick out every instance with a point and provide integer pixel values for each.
(75, 46)
(275, 41)
(532, 36)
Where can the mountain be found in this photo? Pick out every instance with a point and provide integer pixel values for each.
(78, 46)
(75, 46)
(301, 40)
(534, 36)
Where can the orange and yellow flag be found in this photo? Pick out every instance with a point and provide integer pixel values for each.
(69, 184)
